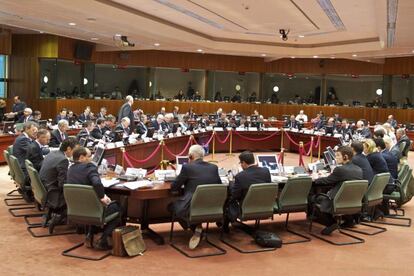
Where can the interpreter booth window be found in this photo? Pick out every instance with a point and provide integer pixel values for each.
(178, 84)
(354, 90)
(224, 86)
(292, 88)
(402, 87)
(48, 76)
(3, 75)
(116, 81)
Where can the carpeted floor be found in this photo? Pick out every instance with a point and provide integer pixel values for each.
(389, 253)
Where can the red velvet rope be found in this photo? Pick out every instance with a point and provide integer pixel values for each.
(256, 139)
(182, 152)
(281, 157)
(290, 139)
(127, 156)
(301, 152)
(225, 140)
(128, 161)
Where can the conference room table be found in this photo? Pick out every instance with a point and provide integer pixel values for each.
(149, 205)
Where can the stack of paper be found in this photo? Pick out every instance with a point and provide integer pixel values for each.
(109, 182)
(138, 184)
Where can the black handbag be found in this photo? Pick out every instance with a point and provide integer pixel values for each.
(267, 239)
(233, 210)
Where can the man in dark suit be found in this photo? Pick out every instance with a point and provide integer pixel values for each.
(159, 124)
(86, 131)
(391, 160)
(122, 128)
(345, 130)
(63, 115)
(17, 109)
(141, 128)
(37, 149)
(236, 98)
(102, 113)
(361, 161)
(345, 171)
(330, 126)
(85, 173)
(59, 134)
(126, 110)
(99, 130)
(53, 175)
(222, 121)
(27, 116)
(197, 172)
(291, 123)
(251, 174)
(23, 141)
(400, 149)
(362, 130)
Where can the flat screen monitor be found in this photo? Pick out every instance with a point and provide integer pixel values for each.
(8, 127)
(181, 160)
(42, 123)
(328, 158)
(331, 152)
(83, 141)
(268, 161)
(98, 156)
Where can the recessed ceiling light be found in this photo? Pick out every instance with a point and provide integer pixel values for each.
(292, 57)
(263, 55)
(94, 38)
(199, 50)
(72, 24)
(91, 19)
(354, 55)
(118, 35)
(41, 32)
(315, 56)
(301, 36)
(412, 51)
(156, 44)
(332, 57)
(369, 60)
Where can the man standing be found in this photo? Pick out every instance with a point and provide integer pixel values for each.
(53, 176)
(18, 109)
(85, 173)
(197, 172)
(37, 149)
(126, 110)
(344, 172)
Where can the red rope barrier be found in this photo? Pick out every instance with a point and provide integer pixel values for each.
(290, 139)
(301, 152)
(182, 152)
(127, 156)
(225, 140)
(256, 139)
(208, 142)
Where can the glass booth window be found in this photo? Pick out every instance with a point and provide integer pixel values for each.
(402, 90)
(3, 75)
(48, 77)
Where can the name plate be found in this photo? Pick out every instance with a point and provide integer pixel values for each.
(178, 134)
(195, 131)
(110, 145)
(209, 128)
(218, 129)
(119, 144)
(170, 135)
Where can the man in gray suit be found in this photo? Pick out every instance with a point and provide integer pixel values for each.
(197, 172)
(126, 110)
(345, 171)
(53, 176)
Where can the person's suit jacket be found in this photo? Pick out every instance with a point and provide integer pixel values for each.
(126, 111)
(35, 155)
(340, 174)
(392, 163)
(243, 180)
(56, 139)
(100, 115)
(193, 174)
(346, 132)
(291, 124)
(222, 123)
(59, 117)
(83, 133)
(19, 108)
(361, 161)
(53, 175)
(20, 148)
(97, 132)
(23, 119)
(365, 132)
(141, 128)
(83, 118)
(86, 174)
(157, 126)
(405, 149)
(377, 162)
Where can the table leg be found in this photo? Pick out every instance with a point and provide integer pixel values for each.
(146, 230)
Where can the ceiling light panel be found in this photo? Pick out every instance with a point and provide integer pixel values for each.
(392, 9)
(333, 16)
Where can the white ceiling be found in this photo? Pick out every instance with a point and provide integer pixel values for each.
(235, 27)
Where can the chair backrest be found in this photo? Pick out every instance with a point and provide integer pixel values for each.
(38, 189)
(402, 146)
(294, 195)
(28, 163)
(407, 148)
(207, 203)
(374, 194)
(259, 201)
(19, 177)
(6, 155)
(348, 199)
(404, 185)
(83, 205)
(10, 149)
(403, 171)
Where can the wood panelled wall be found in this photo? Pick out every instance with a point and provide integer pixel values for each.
(50, 109)
(5, 42)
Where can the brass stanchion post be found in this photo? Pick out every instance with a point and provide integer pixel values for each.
(123, 157)
(231, 143)
(311, 149)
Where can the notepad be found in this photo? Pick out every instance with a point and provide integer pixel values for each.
(138, 184)
(109, 182)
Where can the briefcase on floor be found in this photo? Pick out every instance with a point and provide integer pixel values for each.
(127, 241)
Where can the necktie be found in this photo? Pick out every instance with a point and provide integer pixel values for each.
(62, 136)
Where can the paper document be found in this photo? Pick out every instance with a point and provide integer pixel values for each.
(109, 182)
(138, 184)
